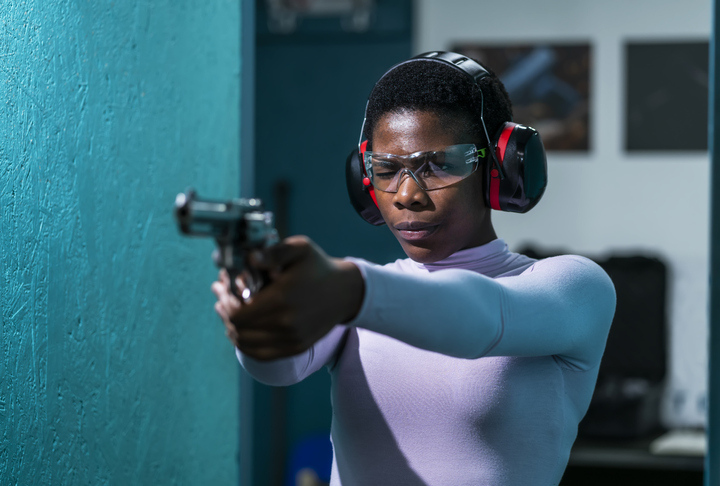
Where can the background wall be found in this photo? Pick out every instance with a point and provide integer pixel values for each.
(607, 201)
(309, 107)
(113, 366)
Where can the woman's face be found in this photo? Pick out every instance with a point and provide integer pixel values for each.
(430, 225)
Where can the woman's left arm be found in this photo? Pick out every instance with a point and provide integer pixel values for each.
(560, 306)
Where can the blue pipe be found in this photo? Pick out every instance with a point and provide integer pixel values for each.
(712, 464)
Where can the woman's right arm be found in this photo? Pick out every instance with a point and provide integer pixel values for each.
(280, 371)
(294, 369)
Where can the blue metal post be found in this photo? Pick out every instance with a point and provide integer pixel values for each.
(712, 463)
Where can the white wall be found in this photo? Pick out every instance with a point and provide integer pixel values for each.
(607, 200)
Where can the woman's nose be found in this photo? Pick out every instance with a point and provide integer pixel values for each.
(410, 192)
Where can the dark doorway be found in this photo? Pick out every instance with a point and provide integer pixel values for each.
(311, 88)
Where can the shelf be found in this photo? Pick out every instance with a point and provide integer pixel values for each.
(630, 454)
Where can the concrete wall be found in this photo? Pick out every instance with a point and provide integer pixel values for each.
(607, 200)
(113, 367)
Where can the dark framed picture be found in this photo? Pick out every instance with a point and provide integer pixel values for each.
(549, 86)
(666, 96)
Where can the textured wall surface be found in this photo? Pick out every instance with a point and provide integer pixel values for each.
(113, 367)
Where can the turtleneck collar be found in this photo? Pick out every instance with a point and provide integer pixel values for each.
(492, 259)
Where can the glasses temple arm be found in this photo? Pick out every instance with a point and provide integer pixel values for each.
(496, 162)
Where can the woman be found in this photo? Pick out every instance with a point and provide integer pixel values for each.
(463, 364)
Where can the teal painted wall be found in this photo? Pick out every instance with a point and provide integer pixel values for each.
(113, 367)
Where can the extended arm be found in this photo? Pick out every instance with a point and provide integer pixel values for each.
(561, 306)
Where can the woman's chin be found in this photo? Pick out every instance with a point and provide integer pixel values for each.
(424, 254)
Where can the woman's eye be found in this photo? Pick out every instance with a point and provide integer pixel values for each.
(432, 169)
(384, 169)
(429, 171)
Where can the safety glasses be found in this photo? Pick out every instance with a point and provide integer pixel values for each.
(430, 170)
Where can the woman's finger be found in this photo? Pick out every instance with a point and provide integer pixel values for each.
(218, 288)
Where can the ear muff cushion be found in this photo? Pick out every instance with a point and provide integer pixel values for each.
(493, 181)
(359, 196)
(535, 167)
(522, 156)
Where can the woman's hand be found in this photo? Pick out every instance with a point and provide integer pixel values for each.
(307, 295)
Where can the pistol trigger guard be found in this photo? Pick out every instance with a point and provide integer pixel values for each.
(254, 281)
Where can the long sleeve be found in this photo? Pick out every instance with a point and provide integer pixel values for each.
(288, 371)
(490, 354)
(560, 306)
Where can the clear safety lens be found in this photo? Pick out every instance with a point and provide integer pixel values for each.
(431, 170)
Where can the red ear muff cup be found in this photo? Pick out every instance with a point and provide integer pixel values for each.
(522, 157)
(493, 190)
(361, 196)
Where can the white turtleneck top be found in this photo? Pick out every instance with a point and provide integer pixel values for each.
(474, 370)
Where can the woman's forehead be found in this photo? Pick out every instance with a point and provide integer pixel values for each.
(408, 132)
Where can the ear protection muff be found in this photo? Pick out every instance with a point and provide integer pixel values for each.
(520, 183)
(360, 189)
(515, 180)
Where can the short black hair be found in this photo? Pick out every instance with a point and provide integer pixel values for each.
(437, 87)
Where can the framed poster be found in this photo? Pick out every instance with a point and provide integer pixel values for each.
(666, 96)
(549, 86)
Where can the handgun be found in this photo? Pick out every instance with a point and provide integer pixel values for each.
(238, 226)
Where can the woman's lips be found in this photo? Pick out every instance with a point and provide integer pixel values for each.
(414, 230)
